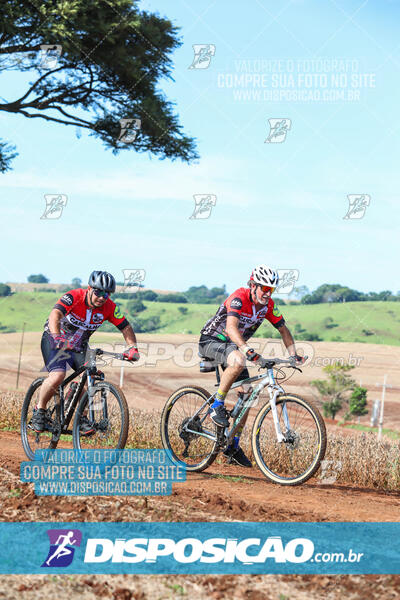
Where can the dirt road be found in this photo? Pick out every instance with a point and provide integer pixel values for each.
(225, 492)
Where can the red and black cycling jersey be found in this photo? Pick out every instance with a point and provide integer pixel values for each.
(80, 321)
(241, 305)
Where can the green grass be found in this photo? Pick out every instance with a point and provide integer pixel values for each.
(394, 435)
(353, 319)
(234, 479)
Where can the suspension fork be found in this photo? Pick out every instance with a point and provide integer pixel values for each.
(90, 396)
(274, 391)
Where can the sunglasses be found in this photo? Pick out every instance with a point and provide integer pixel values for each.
(266, 288)
(101, 294)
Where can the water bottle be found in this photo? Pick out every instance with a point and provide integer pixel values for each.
(70, 394)
(239, 405)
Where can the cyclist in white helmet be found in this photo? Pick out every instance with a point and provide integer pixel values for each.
(224, 339)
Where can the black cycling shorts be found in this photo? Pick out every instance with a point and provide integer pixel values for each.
(57, 359)
(219, 351)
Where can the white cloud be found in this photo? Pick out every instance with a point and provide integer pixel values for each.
(153, 181)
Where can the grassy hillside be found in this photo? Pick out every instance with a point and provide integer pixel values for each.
(375, 322)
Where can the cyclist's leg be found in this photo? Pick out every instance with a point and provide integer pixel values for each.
(234, 452)
(227, 355)
(232, 361)
(55, 363)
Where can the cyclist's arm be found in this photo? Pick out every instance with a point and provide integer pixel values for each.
(129, 335)
(288, 340)
(233, 332)
(54, 321)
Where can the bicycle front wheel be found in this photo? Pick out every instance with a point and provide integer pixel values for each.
(187, 430)
(103, 420)
(31, 440)
(296, 458)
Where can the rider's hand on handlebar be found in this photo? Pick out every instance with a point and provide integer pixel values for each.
(132, 354)
(252, 355)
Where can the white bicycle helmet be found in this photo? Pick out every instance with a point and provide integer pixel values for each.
(264, 275)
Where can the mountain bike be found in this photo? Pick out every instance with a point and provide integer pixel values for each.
(103, 404)
(288, 437)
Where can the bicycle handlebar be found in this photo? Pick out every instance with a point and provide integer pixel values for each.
(291, 362)
(117, 355)
(99, 352)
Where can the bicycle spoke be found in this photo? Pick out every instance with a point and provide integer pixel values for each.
(302, 449)
(183, 431)
(41, 441)
(103, 413)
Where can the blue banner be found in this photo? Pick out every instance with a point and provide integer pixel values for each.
(220, 548)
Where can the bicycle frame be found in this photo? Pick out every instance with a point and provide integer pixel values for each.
(274, 390)
(89, 370)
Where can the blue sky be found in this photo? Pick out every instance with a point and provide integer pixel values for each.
(277, 203)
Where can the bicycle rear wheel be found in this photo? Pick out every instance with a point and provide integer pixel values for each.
(31, 440)
(107, 413)
(296, 459)
(183, 434)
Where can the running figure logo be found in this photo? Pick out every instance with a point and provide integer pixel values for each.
(357, 205)
(133, 278)
(49, 55)
(278, 129)
(287, 280)
(62, 542)
(55, 204)
(203, 54)
(203, 205)
(129, 130)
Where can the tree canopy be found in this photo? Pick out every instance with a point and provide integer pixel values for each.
(107, 59)
(335, 292)
(40, 278)
(333, 389)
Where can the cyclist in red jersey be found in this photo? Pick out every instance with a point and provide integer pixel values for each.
(224, 339)
(74, 318)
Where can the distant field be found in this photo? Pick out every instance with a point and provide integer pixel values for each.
(368, 322)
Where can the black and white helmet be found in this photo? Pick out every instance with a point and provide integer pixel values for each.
(264, 275)
(101, 280)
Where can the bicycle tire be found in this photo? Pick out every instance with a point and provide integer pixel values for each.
(172, 439)
(46, 442)
(116, 440)
(283, 454)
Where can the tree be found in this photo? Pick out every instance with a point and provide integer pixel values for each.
(38, 279)
(333, 389)
(172, 298)
(135, 306)
(5, 289)
(358, 402)
(328, 323)
(300, 291)
(144, 325)
(76, 282)
(106, 59)
(202, 295)
(149, 295)
(7, 154)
